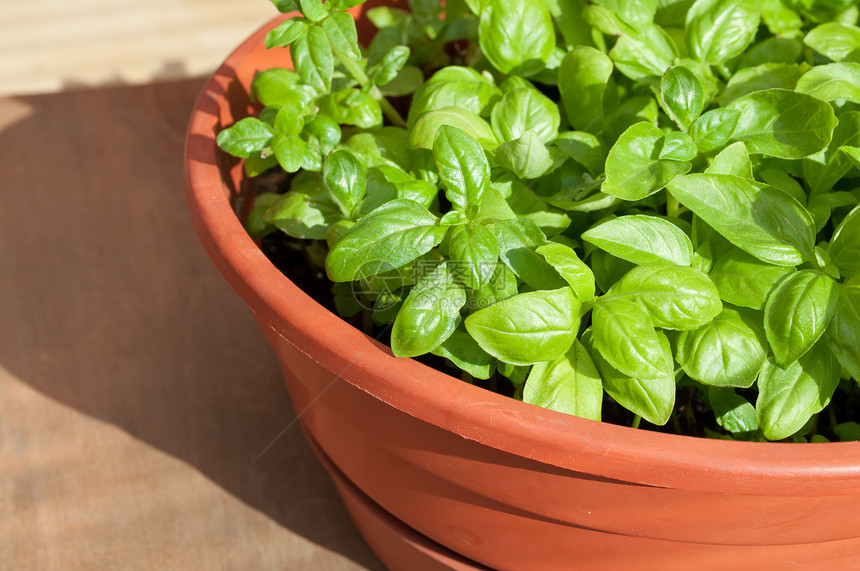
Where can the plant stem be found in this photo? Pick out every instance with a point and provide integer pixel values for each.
(358, 74)
(676, 423)
(831, 416)
(673, 207)
(636, 420)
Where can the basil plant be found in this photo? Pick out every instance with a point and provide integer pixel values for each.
(650, 204)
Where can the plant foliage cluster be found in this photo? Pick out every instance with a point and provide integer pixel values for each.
(623, 198)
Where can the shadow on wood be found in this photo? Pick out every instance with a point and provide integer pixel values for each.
(111, 307)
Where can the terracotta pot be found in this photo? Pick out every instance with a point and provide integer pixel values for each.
(424, 460)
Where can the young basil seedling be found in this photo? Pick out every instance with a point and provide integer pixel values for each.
(653, 200)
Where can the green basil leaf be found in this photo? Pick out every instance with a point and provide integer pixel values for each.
(392, 235)
(675, 297)
(517, 36)
(387, 17)
(304, 212)
(844, 248)
(501, 285)
(568, 18)
(584, 148)
(732, 411)
(744, 280)
(311, 157)
(387, 305)
(351, 107)
(847, 431)
(343, 4)
(517, 241)
(783, 123)
(726, 352)
(345, 176)
(246, 136)
(424, 132)
(631, 172)
(345, 301)
(637, 13)
(313, 10)
(529, 327)
(526, 204)
(642, 239)
(631, 111)
(289, 120)
(651, 398)
(821, 205)
(606, 21)
(515, 373)
(285, 6)
(429, 315)
(574, 271)
(853, 154)
(648, 53)
(758, 219)
(834, 40)
(286, 33)
(404, 82)
(784, 182)
(474, 254)
(843, 333)
(325, 130)
(677, 147)
(378, 191)
(780, 19)
(522, 110)
(341, 32)
(582, 80)
(391, 66)
(832, 82)
(313, 59)
(569, 384)
(772, 50)
(526, 156)
(759, 78)
(463, 167)
(797, 312)
(624, 334)
(387, 146)
(277, 86)
(455, 86)
(454, 218)
(290, 151)
(714, 129)
(682, 95)
(718, 30)
(734, 160)
(337, 231)
(255, 224)
(465, 352)
(417, 190)
(494, 207)
(788, 397)
(824, 169)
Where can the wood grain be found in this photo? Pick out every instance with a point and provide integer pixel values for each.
(135, 389)
(50, 45)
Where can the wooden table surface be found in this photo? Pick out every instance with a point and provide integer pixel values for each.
(135, 389)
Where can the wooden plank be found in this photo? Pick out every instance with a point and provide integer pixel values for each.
(135, 389)
(50, 45)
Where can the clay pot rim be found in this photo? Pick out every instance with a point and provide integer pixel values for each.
(572, 443)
